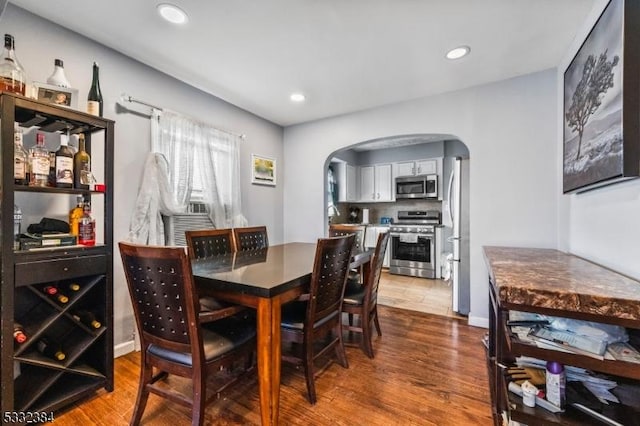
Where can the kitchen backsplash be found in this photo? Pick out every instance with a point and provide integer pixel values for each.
(379, 210)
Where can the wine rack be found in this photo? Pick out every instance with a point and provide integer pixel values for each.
(30, 380)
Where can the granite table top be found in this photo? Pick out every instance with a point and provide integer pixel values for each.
(551, 279)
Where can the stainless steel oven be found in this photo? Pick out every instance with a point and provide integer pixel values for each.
(412, 244)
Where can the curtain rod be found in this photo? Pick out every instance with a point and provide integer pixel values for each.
(129, 98)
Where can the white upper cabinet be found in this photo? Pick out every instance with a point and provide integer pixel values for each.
(376, 183)
(414, 168)
(351, 187)
(345, 175)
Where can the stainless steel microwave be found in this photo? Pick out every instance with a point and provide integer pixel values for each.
(425, 186)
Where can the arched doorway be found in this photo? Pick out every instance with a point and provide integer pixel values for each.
(351, 169)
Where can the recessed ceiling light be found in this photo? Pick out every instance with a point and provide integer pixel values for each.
(297, 97)
(458, 52)
(172, 13)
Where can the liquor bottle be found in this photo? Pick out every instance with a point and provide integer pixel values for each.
(94, 100)
(51, 178)
(12, 75)
(58, 78)
(39, 163)
(87, 318)
(64, 164)
(19, 335)
(50, 349)
(87, 227)
(81, 166)
(17, 227)
(20, 160)
(75, 215)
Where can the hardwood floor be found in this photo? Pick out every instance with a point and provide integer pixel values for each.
(416, 294)
(428, 370)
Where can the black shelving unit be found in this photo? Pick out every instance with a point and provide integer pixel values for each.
(30, 381)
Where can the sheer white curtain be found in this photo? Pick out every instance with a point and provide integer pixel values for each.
(199, 152)
(184, 151)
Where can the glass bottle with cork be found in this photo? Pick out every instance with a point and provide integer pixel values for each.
(94, 99)
(39, 163)
(81, 165)
(64, 164)
(12, 76)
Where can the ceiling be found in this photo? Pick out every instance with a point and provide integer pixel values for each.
(344, 55)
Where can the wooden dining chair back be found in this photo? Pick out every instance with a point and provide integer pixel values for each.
(172, 339)
(251, 238)
(203, 244)
(362, 300)
(338, 230)
(206, 243)
(315, 318)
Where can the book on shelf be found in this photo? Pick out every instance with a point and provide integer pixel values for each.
(568, 342)
(622, 351)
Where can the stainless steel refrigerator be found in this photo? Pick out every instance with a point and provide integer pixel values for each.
(455, 219)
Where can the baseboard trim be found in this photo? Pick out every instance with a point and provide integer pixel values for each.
(123, 348)
(478, 321)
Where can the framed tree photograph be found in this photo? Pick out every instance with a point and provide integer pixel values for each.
(601, 102)
(263, 170)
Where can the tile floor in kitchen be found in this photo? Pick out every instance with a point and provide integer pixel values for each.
(416, 294)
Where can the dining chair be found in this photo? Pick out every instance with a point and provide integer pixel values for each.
(250, 238)
(362, 300)
(205, 243)
(337, 230)
(314, 319)
(172, 338)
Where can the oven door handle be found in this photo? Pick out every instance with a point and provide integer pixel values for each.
(398, 234)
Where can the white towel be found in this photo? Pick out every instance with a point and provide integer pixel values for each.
(446, 273)
(409, 238)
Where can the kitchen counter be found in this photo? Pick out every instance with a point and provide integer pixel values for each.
(554, 280)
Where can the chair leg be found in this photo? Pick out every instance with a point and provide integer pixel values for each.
(308, 370)
(366, 335)
(375, 319)
(340, 352)
(146, 374)
(199, 397)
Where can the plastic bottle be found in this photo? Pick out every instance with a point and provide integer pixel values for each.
(556, 383)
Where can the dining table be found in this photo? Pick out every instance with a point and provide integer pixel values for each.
(264, 279)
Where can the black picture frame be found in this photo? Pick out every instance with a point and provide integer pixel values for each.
(601, 108)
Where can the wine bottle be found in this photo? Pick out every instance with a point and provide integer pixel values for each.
(87, 318)
(58, 78)
(64, 164)
(19, 157)
(39, 163)
(81, 166)
(60, 298)
(50, 290)
(19, 335)
(74, 287)
(50, 349)
(87, 227)
(12, 75)
(94, 100)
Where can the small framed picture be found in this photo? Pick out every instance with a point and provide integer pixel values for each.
(263, 170)
(63, 96)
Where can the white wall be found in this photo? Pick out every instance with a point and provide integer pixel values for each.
(39, 42)
(509, 127)
(600, 225)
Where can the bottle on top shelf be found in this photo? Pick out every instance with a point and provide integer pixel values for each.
(51, 349)
(81, 166)
(12, 75)
(58, 78)
(39, 163)
(64, 164)
(20, 159)
(87, 318)
(19, 335)
(94, 99)
(87, 227)
(75, 214)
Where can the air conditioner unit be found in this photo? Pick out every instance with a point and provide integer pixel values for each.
(174, 226)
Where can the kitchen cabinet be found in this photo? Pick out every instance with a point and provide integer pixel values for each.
(346, 177)
(31, 381)
(376, 183)
(414, 168)
(550, 282)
